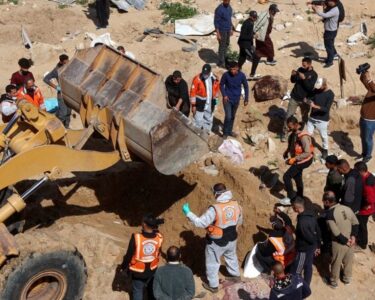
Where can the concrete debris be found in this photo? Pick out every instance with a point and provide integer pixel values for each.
(279, 27)
(270, 87)
(299, 18)
(288, 24)
(238, 28)
(211, 170)
(346, 25)
(271, 145)
(355, 38)
(197, 25)
(101, 39)
(239, 16)
(319, 46)
(358, 54)
(137, 4)
(121, 4)
(64, 2)
(341, 103)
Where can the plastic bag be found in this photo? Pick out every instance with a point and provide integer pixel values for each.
(233, 150)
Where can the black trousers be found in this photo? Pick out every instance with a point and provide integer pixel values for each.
(362, 239)
(295, 172)
(102, 12)
(245, 53)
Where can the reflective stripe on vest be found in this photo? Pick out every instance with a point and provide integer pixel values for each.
(198, 89)
(280, 255)
(227, 214)
(298, 149)
(147, 250)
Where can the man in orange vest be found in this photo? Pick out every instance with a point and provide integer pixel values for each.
(221, 221)
(142, 257)
(31, 93)
(204, 95)
(299, 156)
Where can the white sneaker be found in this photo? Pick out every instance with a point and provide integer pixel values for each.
(336, 57)
(285, 201)
(255, 77)
(271, 63)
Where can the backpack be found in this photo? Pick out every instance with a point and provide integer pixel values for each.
(341, 8)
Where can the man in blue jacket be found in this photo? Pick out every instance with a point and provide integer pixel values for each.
(224, 29)
(230, 86)
(288, 286)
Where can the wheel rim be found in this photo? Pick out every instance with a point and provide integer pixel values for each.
(46, 285)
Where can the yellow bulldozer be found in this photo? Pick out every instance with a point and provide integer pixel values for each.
(125, 103)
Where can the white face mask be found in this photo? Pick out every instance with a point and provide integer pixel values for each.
(14, 98)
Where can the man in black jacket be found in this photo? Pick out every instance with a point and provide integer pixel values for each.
(178, 93)
(102, 12)
(304, 80)
(246, 43)
(351, 193)
(307, 240)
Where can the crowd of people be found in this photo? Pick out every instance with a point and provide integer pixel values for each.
(289, 251)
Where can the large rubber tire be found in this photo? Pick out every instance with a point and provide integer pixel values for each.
(48, 274)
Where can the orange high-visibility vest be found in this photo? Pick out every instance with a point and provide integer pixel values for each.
(198, 89)
(299, 149)
(37, 100)
(227, 214)
(147, 250)
(280, 254)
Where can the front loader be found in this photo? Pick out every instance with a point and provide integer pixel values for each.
(118, 99)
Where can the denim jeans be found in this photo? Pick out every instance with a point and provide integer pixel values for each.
(322, 127)
(230, 110)
(329, 44)
(367, 129)
(139, 286)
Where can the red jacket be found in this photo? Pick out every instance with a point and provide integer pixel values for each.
(368, 203)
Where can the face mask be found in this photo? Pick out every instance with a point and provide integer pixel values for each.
(24, 72)
(14, 98)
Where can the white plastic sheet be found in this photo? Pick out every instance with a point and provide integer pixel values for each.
(233, 150)
(121, 4)
(252, 268)
(103, 39)
(197, 25)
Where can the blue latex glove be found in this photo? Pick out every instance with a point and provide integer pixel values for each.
(58, 88)
(185, 209)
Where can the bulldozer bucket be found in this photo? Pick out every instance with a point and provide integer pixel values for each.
(132, 96)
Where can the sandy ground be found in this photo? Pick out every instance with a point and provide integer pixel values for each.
(98, 212)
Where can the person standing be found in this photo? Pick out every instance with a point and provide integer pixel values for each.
(231, 84)
(63, 112)
(304, 79)
(351, 193)
(204, 95)
(308, 240)
(221, 221)
(20, 77)
(142, 257)
(299, 155)
(178, 93)
(102, 13)
(8, 105)
(368, 203)
(174, 280)
(224, 29)
(262, 29)
(331, 24)
(31, 93)
(334, 178)
(367, 120)
(320, 105)
(287, 286)
(246, 43)
(343, 226)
